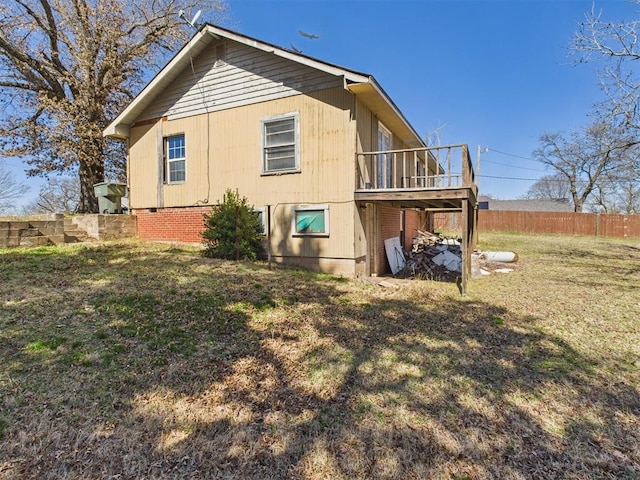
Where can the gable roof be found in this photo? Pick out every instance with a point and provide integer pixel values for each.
(363, 85)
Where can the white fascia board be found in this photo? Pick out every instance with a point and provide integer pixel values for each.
(295, 57)
(122, 122)
(395, 109)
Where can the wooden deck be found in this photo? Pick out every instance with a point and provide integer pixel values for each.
(436, 179)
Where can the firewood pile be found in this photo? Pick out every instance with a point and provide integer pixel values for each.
(433, 257)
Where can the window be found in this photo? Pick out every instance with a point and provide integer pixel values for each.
(261, 213)
(280, 144)
(175, 153)
(311, 220)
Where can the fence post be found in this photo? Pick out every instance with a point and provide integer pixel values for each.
(597, 224)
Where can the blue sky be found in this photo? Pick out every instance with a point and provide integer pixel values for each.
(495, 73)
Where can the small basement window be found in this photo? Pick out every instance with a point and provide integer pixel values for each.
(311, 220)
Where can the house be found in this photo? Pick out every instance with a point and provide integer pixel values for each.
(320, 150)
(526, 204)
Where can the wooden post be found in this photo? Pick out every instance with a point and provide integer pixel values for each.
(375, 170)
(474, 227)
(449, 167)
(372, 247)
(466, 254)
(269, 237)
(477, 175)
(404, 170)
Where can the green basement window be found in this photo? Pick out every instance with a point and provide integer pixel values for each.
(311, 220)
(280, 144)
(175, 153)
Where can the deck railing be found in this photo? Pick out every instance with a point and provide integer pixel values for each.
(430, 168)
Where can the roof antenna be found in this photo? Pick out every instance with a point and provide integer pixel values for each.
(193, 21)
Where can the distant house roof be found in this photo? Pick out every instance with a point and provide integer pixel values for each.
(363, 85)
(528, 205)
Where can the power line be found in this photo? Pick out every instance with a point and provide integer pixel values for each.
(514, 155)
(513, 166)
(509, 178)
(556, 180)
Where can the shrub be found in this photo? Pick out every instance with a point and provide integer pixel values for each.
(232, 229)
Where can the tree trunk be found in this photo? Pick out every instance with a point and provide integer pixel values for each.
(89, 174)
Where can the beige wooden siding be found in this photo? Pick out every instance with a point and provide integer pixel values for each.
(367, 141)
(366, 124)
(232, 141)
(143, 166)
(246, 76)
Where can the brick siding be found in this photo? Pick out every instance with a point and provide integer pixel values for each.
(412, 224)
(172, 224)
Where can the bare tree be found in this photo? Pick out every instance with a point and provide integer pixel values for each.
(627, 198)
(59, 195)
(584, 158)
(550, 187)
(613, 45)
(10, 190)
(619, 190)
(434, 137)
(67, 67)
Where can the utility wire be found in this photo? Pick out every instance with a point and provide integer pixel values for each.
(513, 166)
(514, 155)
(560, 180)
(509, 178)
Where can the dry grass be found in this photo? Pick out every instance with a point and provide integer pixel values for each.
(133, 360)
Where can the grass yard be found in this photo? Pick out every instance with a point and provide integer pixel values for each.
(134, 360)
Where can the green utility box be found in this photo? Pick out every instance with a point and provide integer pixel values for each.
(110, 196)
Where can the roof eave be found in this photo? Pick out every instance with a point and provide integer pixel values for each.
(377, 100)
(119, 127)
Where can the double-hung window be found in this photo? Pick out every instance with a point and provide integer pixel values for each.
(176, 159)
(311, 220)
(280, 144)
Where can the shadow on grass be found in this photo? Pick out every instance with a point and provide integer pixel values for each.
(166, 365)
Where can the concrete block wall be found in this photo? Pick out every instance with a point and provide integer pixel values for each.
(33, 231)
(53, 227)
(50, 229)
(106, 227)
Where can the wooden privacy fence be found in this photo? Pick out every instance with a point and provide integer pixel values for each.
(564, 223)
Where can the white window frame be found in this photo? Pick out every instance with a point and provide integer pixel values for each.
(169, 161)
(301, 208)
(263, 213)
(296, 125)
